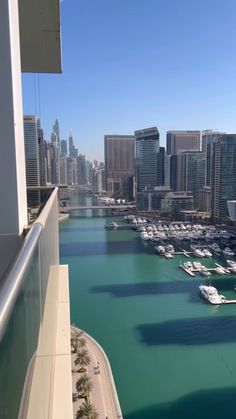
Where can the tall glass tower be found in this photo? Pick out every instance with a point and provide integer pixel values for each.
(147, 149)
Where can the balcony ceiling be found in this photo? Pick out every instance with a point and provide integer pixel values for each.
(40, 36)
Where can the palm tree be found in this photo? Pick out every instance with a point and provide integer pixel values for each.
(87, 410)
(82, 359)
(75, 338)
(81, 343)
(84, 385)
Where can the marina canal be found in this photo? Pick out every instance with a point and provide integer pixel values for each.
(172, 355)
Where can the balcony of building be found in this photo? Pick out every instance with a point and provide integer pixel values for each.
(35, 359)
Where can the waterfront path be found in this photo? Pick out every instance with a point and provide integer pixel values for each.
(103, 395)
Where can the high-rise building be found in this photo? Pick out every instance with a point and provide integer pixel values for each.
(194, 164)
(223, 180)
(56, 129)
(208, 138)
(63, 170)
(81, 170)
(72, 178)
(31, 150)
(42, 149)
(119, 162)
(73, 152)
(147, 149)
(63, 147)
(161, 166)
(179, 141)
(53, 163)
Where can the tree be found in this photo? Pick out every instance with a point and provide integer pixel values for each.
(76, 340)
(87, 410)
(82, 359)
(84, 385)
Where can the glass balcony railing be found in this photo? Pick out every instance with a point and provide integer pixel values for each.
(28, 316)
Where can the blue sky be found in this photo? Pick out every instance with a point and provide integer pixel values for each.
(131, 64)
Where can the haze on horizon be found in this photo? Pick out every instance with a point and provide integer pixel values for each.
(134, 64)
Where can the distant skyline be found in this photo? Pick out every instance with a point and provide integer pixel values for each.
(134, 64)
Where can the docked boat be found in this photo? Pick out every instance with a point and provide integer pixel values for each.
(205, 272)
(207, 253)
(160, 250)
(111, 226)
(215, 247)
(197, 265)
(220, 270)
(170, 249)
(188, 265)
(199, 253)
(228, 252)
(231, 263)
(168, 255)
(211, 295)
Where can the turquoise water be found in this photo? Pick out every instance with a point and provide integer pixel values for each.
(172, 355)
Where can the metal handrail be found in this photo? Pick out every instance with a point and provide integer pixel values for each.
(15, 278)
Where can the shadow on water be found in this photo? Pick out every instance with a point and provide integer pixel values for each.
(193, 331)
(149, 288)
(101, 248)
(204, 404)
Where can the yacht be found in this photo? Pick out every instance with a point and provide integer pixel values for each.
(144, 235)
(170, 249)
(197, 265)
(169, 255)
(215, 247)
(231, 262)
(207, 253)
(205, 272)
(160, 250)
(211, 294)
(188, 265)
(228, 252)
(111, 225)
(220, 270)
(197, 252)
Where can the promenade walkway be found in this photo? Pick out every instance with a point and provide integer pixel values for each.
(103, 395)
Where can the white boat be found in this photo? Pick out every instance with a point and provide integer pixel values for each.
(231, 262)
(205, 272)
(233, 269)
(228, 252)
(160, 250)
(220, 270)
(170, 249)
(168, 255)
(111, 225)
(207, 253)
(199, 253)
(197, 265)
(215, 247)
(211, 294)
(188, 265)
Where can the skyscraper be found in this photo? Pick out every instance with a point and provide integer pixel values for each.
(81, 169)
(119, 162)
(63, 147)
(56, 129)
(208, 137)
(147, 149)
(31, 150)
(179, 141)
(223, 180)
(194, 164)
(73, 152)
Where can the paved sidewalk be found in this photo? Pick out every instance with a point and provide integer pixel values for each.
(103, 395)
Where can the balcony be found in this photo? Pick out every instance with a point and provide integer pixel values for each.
(35, 361)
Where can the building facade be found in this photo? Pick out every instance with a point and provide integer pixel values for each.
(119, 163)
(146, 163)
(223, 180)
(179, 141)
